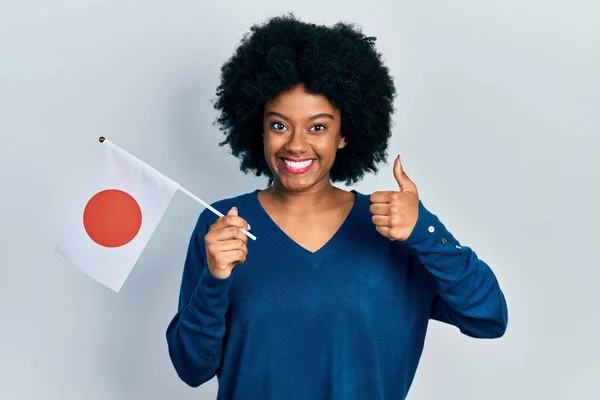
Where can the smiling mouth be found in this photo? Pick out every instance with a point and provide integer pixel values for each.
(297, 166)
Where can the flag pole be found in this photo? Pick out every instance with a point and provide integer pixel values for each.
(101, 139)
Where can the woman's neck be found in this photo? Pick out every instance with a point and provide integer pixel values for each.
(319, 197)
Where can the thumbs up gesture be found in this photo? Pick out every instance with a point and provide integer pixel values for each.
(395, 213)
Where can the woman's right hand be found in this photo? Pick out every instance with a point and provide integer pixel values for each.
(226, 244)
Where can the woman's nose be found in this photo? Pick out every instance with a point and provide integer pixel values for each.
(297, 143)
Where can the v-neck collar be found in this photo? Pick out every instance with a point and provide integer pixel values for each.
(287, 244)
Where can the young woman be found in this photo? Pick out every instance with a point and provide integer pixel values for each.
(333, 299)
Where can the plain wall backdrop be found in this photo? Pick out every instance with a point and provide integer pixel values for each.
(497, 123)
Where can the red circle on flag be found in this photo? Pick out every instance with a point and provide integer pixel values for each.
(112, 218)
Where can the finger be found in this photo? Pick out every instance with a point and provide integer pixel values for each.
(235, 221)
(229, 233)
(381, 220)
(227, 245)
(384, 230)
(399, 173)
(404, 182)
(380, 208)
(231, 219)
(230, 257)
(233, 257)
(382, 196)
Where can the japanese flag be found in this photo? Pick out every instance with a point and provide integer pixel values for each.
(113, 217)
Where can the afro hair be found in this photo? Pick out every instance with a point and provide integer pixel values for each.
(339, 62)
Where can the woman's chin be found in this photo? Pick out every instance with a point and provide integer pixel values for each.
(295, 183)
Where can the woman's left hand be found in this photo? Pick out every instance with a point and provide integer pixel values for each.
(395, 213)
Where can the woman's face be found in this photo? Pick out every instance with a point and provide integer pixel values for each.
(301, 138)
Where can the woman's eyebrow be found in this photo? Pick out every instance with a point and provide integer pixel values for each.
(316, 116)
(321, 115)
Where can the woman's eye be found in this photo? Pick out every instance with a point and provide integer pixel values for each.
(278, 126)
(318, 127)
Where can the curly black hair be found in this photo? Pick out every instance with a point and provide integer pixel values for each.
(339, 62)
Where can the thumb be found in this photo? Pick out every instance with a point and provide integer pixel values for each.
(399, 174)
(233, 211)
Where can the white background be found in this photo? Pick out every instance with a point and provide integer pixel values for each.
(497, 123)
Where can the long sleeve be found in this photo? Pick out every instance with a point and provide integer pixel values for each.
(195, 334)
(468, 293)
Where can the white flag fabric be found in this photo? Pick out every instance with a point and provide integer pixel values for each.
(112, 219)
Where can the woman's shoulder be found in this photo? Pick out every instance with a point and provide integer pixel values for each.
(244, 202)
(239, 200)
(362, 199)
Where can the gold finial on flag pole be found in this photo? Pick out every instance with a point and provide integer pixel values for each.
(101, 139)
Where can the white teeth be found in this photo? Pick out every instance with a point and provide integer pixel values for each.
(298, 165)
